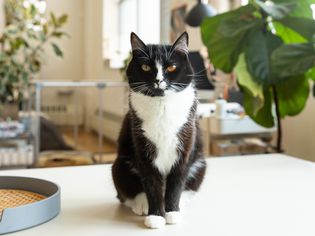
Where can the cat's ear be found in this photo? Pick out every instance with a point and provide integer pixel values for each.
(181, 44)
(136, 42)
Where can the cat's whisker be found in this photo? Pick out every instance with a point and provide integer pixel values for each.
(139, 88)
(196, 73)
(179, 83)
(150, 51)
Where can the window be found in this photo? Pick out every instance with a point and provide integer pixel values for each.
(125, 16)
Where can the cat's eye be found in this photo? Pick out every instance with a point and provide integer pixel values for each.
(145, 67)
(171, 68)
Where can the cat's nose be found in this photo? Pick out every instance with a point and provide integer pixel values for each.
(160, 84)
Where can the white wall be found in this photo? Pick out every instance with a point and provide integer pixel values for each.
(299, 133)
(71, 67)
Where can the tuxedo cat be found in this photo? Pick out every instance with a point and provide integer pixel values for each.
(159, 148)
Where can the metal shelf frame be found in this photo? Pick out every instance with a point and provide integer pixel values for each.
(100, 85)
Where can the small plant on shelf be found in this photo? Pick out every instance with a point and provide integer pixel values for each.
(23, 43)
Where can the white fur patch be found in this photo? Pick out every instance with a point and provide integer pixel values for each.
(173, 217)
(162, 119)
(195, 167)
(159, 75)
(154, 222)
(139, 205)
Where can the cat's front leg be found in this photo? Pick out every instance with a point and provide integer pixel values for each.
(174, 187)
(153, 187)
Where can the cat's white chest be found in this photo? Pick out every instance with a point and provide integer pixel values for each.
(162, 118)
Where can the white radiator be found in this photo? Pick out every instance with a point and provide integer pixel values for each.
(62, 114)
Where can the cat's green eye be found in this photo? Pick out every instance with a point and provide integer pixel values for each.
(145, 67)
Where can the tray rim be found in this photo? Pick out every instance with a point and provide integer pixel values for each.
(53, 198)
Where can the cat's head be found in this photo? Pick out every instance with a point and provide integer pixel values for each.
(156, 70)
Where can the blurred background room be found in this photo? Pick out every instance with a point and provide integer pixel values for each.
(63, 89)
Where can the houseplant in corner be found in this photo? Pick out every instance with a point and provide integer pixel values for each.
(246, 41)
(22, 48)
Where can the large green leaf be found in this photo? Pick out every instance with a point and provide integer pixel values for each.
(264, 115)
(258, 54)
(287, 34)
(311, 74)
(305, 27)
(246, 81)
(276, 11)
(292, 95)
(302, 8)
(293, 59)
(224, 45)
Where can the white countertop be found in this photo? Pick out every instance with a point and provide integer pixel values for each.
(267, 195)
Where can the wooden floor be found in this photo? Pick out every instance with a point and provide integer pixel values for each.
(88, 141)
(87, 150)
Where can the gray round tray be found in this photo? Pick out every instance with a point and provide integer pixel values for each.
(26, 216)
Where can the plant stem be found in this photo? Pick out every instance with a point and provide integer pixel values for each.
(279, 128)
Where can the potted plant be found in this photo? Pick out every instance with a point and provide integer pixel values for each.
(250, 41)
(22, 43)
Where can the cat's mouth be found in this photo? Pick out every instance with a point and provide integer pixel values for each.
(157, 89)
(152, 91)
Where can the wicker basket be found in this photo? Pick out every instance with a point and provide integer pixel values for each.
(10, 198)
(26, 202)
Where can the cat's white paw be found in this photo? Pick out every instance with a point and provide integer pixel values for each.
(173, 217)
(154, 222)
(139, 205)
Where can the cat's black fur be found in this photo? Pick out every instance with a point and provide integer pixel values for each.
(134, 171)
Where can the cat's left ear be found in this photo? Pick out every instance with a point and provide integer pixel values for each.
(181, 44)
(136, 42)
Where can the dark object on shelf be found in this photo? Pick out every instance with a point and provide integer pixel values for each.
(201, 78)
(50, 137)
(236, 96)
(27, 202)
(197, 14)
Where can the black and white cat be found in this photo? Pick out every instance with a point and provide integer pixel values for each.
(160, 149)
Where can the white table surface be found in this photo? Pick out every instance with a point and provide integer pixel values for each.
(254, 195)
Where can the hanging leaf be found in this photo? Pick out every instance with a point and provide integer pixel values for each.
(305, 27)
(264, 115)
(57, 50)
(292, 95)
(63, 19)
(276, 11)
(293, 59)
(287, 34)
(224, 49)
(53, 19)
(246, 81)
(258, 54)
(302, 8)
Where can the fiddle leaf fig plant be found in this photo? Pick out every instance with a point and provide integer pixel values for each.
(270, 46)
(23, 43)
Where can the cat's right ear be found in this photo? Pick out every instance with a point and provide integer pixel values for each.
(136, 42)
